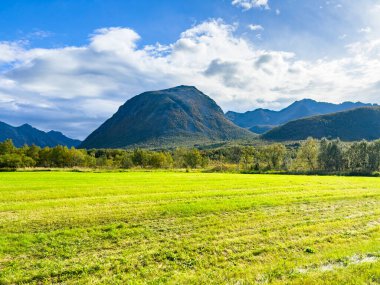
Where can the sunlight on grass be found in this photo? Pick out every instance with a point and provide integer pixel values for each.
(188, 228)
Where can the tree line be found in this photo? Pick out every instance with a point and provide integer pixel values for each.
(310, 156)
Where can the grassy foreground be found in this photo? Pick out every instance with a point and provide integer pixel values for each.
(188, 228)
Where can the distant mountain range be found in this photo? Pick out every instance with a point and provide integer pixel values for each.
(262, 120)
(26, 134)
(351, 125)
(184, 116)
(181, 115)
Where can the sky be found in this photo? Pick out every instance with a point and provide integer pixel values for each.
(68, 65)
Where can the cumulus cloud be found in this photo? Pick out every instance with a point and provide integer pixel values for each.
(253, 27)
(10, 51)
(250, 4)
(74, 89)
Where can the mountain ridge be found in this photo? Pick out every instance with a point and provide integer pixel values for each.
(350, 125)
(27, 134)
(297, 110)
(170, 116)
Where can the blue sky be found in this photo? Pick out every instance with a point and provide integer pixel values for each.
(68, 65)
(56, 23)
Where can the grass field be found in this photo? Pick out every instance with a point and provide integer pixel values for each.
(188, 228)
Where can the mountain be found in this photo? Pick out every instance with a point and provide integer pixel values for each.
(299, 109)
(261, 129)
(61, 139)
(26, 134)
(181, 115)
(351, 125)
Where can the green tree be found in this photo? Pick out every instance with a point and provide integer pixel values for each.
(7, 147)
(273, 156)
(33, 152)
(11, 160)
(247, 158)
(104, 162)
(60, 156)
(159, 160)
(233, 154)
(76, 157)
(126, 161)
(192, 158)
(374, 156)
(44, 157)
(358, 156)
(140, 157)
(307, 155)
(28, 161)
(178, 157)
(330, 156)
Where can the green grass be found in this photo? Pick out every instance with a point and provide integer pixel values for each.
(188, 228)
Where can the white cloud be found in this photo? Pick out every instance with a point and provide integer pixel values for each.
(365, 30)
(39, 34)
(253, 27)
(74, 89)
(250, 4)
(10, 51)
(118, 40)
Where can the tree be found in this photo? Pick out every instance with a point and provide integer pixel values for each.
(233, 154)
(103, 161)
(28, 161)
(126, 161)
(90, 161)
(76, 157)
(44, 157)
(357, 156)
(33, 152)
(160, 160)
(11, 160)
(192, 158)
(140, 157)
(330, 156)
(247, 156)
(60, 156)
(178, 157)
(7, 147)
(374, 156)
(307, 155)
(272, 156)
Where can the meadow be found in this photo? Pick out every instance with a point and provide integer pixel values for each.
(188, 228)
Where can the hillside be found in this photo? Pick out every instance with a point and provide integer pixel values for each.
(181, 115)
(300, 109)
(26, 134)
(261, 129)
(351, 125)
